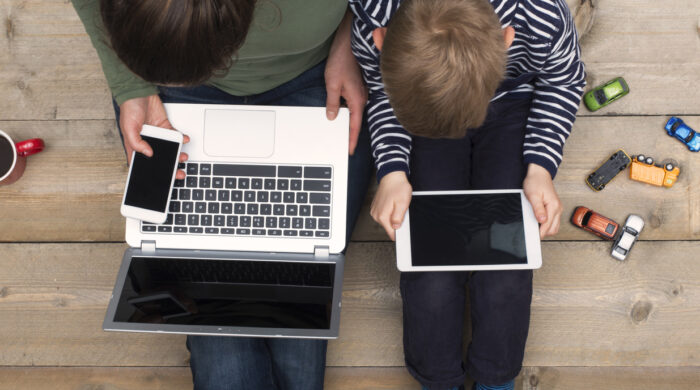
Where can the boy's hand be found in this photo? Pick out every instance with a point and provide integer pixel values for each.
(539, 190)
(391, 202)
(134, 113)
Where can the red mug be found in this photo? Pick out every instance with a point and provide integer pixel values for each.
(13, 156)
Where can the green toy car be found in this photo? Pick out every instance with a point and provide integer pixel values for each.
(605, 94)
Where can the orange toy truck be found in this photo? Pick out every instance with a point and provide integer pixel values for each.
(643, 169)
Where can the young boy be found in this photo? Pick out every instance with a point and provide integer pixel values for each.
(509, 71)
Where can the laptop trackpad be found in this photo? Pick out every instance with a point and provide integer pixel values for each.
(239, 133)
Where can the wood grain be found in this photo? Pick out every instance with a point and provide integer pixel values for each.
(588, 309)
(345, 378)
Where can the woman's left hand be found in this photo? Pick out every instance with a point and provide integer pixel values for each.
(343, 78)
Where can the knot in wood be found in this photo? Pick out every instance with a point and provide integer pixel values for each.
(534, 380)
(3, 292)
(640, 311)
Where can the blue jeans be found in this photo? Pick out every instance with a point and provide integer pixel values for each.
(243, 363)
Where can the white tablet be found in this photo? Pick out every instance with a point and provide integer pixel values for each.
(468, 231)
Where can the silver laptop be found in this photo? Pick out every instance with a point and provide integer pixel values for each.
(253, 240)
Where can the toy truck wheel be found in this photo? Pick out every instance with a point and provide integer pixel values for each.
(669, 167)
(640, 157)
(649, 160)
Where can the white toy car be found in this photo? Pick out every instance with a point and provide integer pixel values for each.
(629, 233)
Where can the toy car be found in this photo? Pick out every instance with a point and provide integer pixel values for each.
(608, 170)
(605, 94)
(628, 236)
(675, 127)
(643, 169)
(595, 223)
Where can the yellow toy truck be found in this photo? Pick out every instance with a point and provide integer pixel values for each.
(643, 169)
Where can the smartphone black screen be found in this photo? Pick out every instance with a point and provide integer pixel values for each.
(473, 229)
(149, 183)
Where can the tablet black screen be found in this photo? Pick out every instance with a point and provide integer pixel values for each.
(467, 229)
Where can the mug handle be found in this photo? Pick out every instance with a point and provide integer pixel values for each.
(29, 147)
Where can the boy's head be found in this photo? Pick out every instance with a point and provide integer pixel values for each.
(441, 63)
(182, 42)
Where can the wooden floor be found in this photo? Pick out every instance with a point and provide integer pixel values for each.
(596, 323)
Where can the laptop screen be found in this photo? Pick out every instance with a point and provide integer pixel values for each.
(232, 293)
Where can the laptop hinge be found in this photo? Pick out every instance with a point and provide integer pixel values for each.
(321, 253)
(148, 246)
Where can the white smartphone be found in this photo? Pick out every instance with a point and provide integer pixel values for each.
(468, 231)
(150, 180)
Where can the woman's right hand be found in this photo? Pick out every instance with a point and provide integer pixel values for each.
(136, 112)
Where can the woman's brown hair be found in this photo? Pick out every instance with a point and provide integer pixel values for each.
(181, 42)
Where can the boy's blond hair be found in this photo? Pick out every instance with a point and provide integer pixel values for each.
(441, 63)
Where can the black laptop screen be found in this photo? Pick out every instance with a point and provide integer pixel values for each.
(234, 293)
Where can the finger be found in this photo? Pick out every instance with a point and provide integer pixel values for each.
(398, 214)
(134, 140)
(185, 139)
(332, 101)
(539, 209)
(385, 222)
(183, 157)
(180, 174)
(356, 111)
(556, 221)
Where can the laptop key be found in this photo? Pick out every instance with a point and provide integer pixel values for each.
(191, 181)
(320, 198)
(271, 222)
(196, 230)
(180, 229)
(245, 221)
(324, 223)
(224, 195)
(213, 208)
(244, 183)
(236, 196)
(252, 209)
(228, 231)
(285, 222)
(200, 207)
(243, 231)
(206, 220)
(298, 223)
(306, 233)
(174, 206)
(275, 197)
(274, 232)
(321, 211)
(302, 197)
(180, 219)
(258, 222)
(282, 184)
(256, 184)
(317, 172)
(290, 233)
(179, 183)
(288, 197)
(244, 170)
(181, 165)
(218, 182)
(295, 185)
(310, 223)
(289, 171)
(258, 232)
(263, 196)
(184, 194)
(210, 194)
(239, 208)
(230, 182)
(249, 196)
(278, 209)
(168, 220)
(219, 220)
(204, 182)
(148, 228)
(317, 185)
(187, 207)
(232, 221)
(205, 169)
(265, 209)
(322, 233)
(292, 210)
(269, 184)
(192, 168)
(197, 194)
(193, 219)
(165, 229)
(174, 194)
(211, 230)
(226, 208)
(304, 210)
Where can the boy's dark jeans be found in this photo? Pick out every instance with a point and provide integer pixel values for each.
(489, 157)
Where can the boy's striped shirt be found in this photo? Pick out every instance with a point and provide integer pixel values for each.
(545, 47)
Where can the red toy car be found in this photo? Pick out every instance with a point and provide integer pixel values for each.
(595, 223)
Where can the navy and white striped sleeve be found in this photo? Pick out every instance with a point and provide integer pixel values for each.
(557, 94)
(390, 143)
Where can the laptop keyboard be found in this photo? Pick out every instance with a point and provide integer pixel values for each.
(249, 200)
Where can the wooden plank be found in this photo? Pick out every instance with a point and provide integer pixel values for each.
(344, 378)
(588, 309)
(77, 182)
(50, 70)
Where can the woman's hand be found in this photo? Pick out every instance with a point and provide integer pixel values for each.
(134, 113)
(343, 78)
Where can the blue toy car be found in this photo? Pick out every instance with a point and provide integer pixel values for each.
(675, 127)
